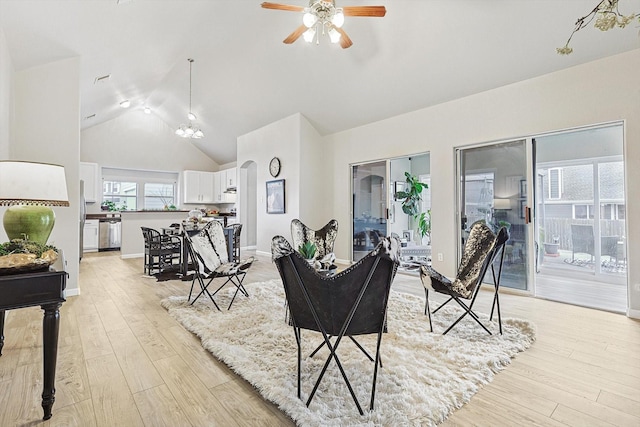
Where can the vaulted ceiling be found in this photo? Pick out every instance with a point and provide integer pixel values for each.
(422, 53)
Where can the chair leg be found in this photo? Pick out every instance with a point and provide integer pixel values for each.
(469, 312)
(296, 332)
(427, 309)
(496, 303)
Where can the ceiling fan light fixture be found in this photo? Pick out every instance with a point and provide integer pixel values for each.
(198, 134)
(334, 35)
(309, 19)
(338, 18)
(309, 35)
(180, 131)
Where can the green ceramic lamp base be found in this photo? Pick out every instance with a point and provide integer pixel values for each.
(29, 223)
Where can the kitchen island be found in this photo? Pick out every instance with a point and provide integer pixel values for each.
(132, 241)
(132, 245)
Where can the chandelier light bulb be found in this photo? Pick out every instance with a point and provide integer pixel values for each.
(190, 131)
(125, 104)
(334, 35)
(309, 34)
(309, 19)
(338, 19)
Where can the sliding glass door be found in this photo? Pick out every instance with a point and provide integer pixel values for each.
(369, 206)
(493, 188)
(580, 204)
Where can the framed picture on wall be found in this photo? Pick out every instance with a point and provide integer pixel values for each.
(275, 197)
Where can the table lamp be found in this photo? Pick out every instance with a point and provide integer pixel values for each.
(29, 188)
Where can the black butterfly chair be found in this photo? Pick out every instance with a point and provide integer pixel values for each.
(208, 249)
(350, 303)
(481, 249)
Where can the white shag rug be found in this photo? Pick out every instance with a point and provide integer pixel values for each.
(425, 377)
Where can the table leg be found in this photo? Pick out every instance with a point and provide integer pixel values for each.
(1, 330)
(50, 329)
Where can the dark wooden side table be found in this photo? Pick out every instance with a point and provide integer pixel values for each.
(46, 290)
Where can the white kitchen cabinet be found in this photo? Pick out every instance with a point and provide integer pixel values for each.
(231, 177)
(89, 174)
(223, 180)
(218, 178)
(198, 187)
(90, 235)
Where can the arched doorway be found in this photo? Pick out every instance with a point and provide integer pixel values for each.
(248, 204)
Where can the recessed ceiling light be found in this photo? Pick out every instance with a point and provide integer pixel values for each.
(147, 110)
(125, 104)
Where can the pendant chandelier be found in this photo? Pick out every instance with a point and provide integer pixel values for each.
(190, 131)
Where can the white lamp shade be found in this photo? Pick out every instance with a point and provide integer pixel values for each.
(338, 19)
(308, 35)
(502, 204)
(334, 35)
(28, 183)
(309, 19)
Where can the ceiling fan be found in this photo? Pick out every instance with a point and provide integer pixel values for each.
(324, 16)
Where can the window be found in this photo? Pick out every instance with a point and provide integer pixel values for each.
(612, 211)
(555, 183)
(582, 211)
(158, 196)
(140, 189)
(123, 194)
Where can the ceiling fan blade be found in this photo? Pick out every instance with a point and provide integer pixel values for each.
(295, 34)
(278, 6)
(373, 11)
(345, 40)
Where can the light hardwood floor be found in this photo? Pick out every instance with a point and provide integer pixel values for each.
(123, 361)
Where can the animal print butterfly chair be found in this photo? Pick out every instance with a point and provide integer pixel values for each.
(208, 250)
(324, 239)
(481, 249)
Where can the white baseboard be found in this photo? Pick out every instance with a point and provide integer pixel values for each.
(263, 253)
(634, 314)
(248, 248)
(71, 292)
(343, 261)
(131, 256)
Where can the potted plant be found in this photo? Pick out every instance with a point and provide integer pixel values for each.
(411, 198)
(308, 252)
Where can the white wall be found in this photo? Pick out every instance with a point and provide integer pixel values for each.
(6, 76)
(280, 139)
(141, 141)
(46, 128)
(316, 178)
(601, 91)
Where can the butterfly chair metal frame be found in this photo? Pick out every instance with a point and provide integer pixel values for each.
(353, 302)
(495, 244)
(213, 262)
